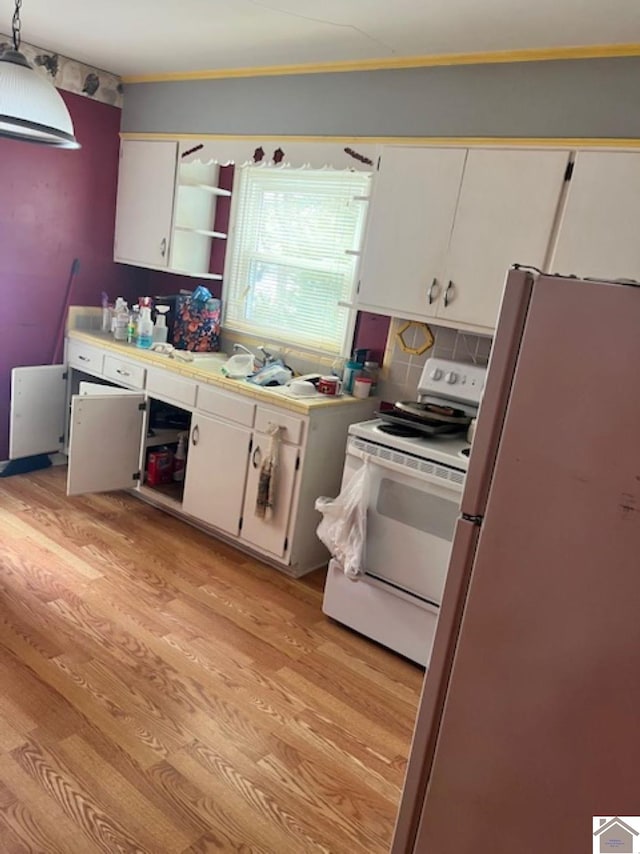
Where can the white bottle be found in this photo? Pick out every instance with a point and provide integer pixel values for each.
(160, 328)
(121, 321)
(180, 458)
(145, 328)
(114, 313)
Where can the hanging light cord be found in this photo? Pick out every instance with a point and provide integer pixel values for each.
(16, 26)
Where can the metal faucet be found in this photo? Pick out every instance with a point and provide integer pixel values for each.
(265, 359)
(238, 347)
(266, 355)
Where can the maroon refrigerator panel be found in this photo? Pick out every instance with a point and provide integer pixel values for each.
(513, 313)
(435, 687)
(539, 730)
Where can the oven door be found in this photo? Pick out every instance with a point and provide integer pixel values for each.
(412, 509)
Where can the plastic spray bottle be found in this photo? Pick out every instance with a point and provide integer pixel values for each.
(145, 328)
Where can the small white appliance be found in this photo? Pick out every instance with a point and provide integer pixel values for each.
(413, 502)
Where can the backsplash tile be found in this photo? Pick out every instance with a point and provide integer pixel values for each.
(401, 371)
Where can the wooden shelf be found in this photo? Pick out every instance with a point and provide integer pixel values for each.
(168, 493)
(202, 231)
(208, 188)
(163, 437)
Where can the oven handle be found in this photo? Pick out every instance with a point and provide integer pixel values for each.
(425, 477)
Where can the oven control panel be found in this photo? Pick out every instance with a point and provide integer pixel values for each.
(458, 380)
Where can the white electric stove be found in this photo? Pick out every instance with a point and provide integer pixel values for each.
(413, 497)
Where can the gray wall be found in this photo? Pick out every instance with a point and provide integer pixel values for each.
(561, 98)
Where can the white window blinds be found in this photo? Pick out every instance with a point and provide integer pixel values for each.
(292, 260)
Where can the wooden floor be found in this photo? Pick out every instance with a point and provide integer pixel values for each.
(162, 693)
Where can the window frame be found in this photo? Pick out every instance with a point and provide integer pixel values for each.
(348, 304)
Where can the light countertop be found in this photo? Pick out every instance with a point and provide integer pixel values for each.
(206, 369)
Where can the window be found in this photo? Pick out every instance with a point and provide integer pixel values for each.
(293, 255)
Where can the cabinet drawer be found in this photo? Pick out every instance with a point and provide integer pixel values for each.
(171, 387)
(293, 427)
(232, 407)
(123, 372)
(84, 357)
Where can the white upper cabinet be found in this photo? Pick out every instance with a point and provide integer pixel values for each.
(505, 215)
(598, 235)
(411, 214)
(446, 224)
(144, 209)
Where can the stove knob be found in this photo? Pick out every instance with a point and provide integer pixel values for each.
(436, 374)
(451, 378)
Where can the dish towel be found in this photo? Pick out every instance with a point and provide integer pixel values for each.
(266, 494)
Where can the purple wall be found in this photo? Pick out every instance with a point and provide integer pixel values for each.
(60, 205)
(55, 206)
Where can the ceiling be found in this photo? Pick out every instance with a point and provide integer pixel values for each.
(155, 36)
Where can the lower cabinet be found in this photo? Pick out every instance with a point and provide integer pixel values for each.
(269, 532)
(216, 472)
(109, 431)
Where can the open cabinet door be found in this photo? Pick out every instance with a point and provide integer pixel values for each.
(105, 440)
(38, 401)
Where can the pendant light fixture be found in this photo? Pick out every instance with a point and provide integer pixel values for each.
(31, 108)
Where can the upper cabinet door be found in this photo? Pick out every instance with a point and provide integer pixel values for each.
(505, 215)
(144, 209)
(38, 403)
(598, 235)
(105, 440)
(410, 219)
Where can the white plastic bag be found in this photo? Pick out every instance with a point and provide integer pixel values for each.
(343, 528)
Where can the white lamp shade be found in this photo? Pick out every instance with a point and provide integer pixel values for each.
(31, 108)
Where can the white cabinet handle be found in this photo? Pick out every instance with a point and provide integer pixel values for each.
(84, 358)
(122, 373)
(163, 246)
(195, 435)
(446, 294)
(430, 297)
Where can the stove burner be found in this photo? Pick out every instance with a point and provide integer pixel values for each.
(400, 430)
(465, 452)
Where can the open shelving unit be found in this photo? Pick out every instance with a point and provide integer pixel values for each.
(197, 195)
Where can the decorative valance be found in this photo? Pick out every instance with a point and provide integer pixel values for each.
(71, 75)
(297, 154)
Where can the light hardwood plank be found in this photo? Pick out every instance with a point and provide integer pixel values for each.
(163, 693)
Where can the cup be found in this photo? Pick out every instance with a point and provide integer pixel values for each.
(329, 385)
(362, 387)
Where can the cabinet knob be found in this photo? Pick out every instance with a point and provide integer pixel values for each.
(430, 296)
(163, 246)
(257, 456)
(195, 435)
(447, 292)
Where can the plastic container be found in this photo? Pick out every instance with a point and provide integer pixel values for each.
(352, 369)
(362, 387)
(132, 328)
(160, 329)
(180, 458)
(121, 321)
(372, 370)
(145, 329)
